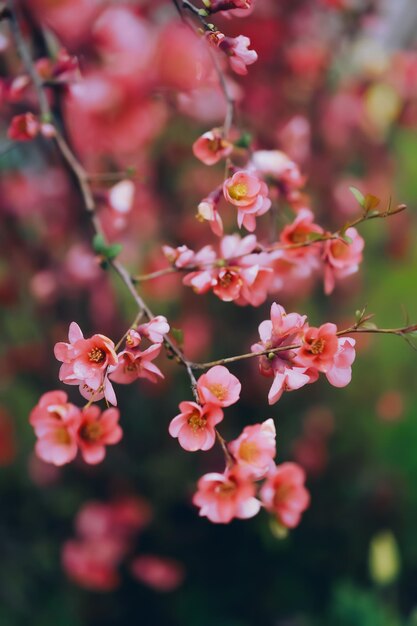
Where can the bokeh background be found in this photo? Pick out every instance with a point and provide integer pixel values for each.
(335, 87)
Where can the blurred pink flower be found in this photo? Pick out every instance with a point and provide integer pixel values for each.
(284, 494)
(158, 572)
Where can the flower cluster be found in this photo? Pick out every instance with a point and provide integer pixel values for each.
(294, 353)
(195, 425)
(106, 533)
(245, 272)
(93, 363)
(233, 494)
(62, 428)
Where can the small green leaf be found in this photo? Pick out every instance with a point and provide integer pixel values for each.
(113, 251)
(107, 251)
(99, 245)
(347, 240)
(244, 140)
(178, 335)
(359, 196)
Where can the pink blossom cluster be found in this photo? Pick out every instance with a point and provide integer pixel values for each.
(62, 429)
(233, 494)
(195, 425)
(93, 364)
(106, 534)
(222, 497)
(294, 353)
(244, 271)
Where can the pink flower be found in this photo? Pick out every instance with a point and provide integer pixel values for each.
(284, 494)
(219, 387)
(96, 431)
(255, 449)
(281, 331)
(237, 49)
(319, 347)
(299, 232)
(195, 426)
(282, 169)
(155, 329)
(222, 497)
(340, 374)
(85, 359)
(180, 257)
(55, 422)
(225, 5)
(207, 211)
(160, 573)
(133, 364)
(341, 258)
(211, 147)
(23, 127)
(249, 194)
(92, 563)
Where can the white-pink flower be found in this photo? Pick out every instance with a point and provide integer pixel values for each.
(219, 387)
(195, 425)
(255, 449)
(249, 194)
(222, 497)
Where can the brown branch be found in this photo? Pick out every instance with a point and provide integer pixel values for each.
(406, 330)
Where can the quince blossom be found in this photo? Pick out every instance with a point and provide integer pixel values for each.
(222, 497)
(280, 331)
(219, 387)
(85, 363)
(255, 449)
(284, 494)
(195, 425)
(55, 421)
(341, 258)
(211, 147)
(249, 194)
(96, 431)
(134, 363)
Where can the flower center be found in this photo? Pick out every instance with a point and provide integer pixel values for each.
(62, 436)
(91, 431)
(218, 390)
(96, 355)
(238, 191)
(226, 489)
(248, 451)
(317, 346)
(226, 279)
(196, 421)
(339, 249)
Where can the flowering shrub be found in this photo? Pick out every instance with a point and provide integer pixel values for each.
(243, 223)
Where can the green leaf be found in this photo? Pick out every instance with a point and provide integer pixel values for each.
(178, 335)
(244, 140)
(105, 250)
(99, 245)
(113, 251)
(359, 196)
